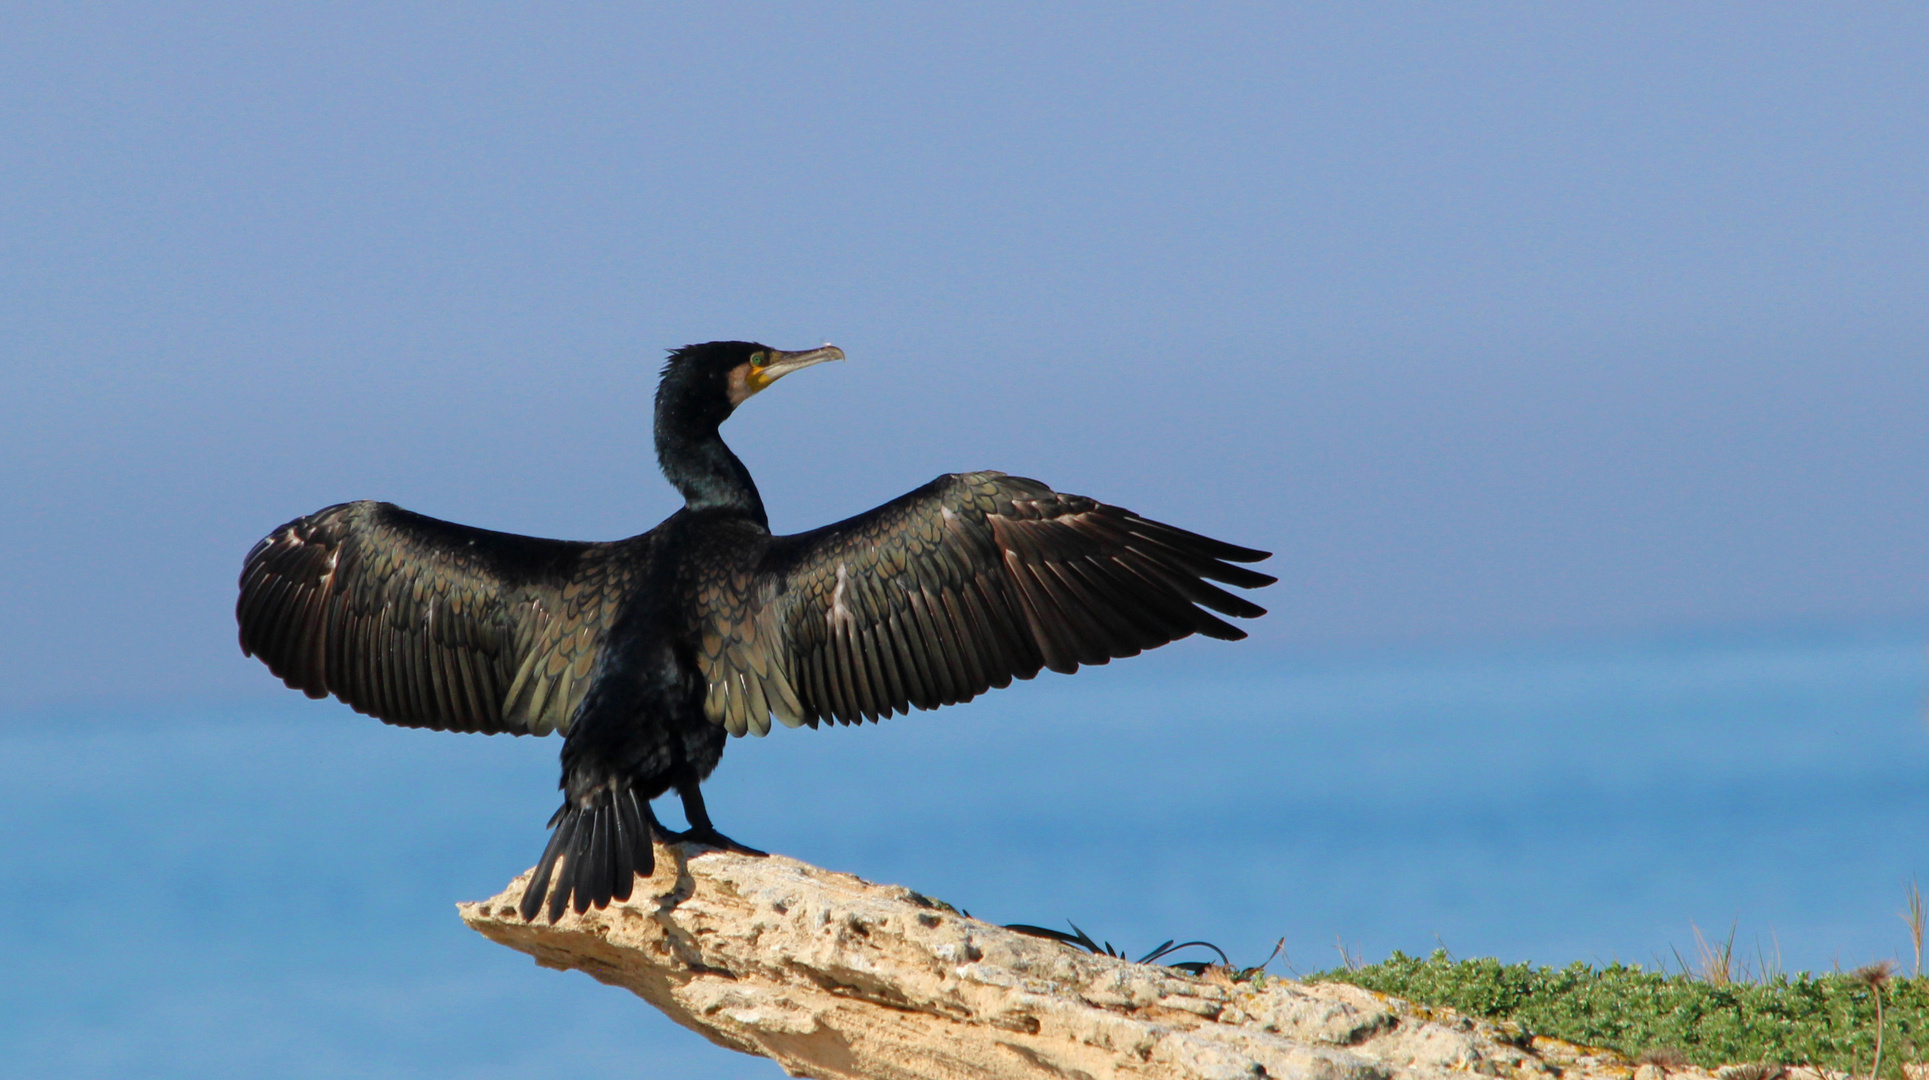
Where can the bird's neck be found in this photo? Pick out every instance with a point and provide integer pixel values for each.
(699, 465)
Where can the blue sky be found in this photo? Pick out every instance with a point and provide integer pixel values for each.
(1493, 320)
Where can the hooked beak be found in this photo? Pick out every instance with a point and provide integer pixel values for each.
(781, 364)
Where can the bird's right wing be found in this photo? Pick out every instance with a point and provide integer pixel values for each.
(962, 585)
(425, 623)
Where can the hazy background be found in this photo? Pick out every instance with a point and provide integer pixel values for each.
(1490, 320)
(1572, 361)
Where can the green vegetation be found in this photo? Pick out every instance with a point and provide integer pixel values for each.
(1827, 1020)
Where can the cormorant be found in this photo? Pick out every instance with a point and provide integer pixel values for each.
(646, 652)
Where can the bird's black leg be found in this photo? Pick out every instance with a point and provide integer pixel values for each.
(658, 834)
(701, 831)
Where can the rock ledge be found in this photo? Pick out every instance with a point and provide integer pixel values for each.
(833, 976)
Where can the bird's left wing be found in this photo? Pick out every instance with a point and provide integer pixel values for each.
(426, 623)
(962, 585)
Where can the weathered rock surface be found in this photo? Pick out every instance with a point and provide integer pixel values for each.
(832, 976)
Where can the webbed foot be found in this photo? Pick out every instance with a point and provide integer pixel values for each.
(710, 837)
(700, 830)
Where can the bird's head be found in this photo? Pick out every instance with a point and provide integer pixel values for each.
(705, 383)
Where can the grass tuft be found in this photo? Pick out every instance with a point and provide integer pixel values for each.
(1913, 915)
(1715, 963)
(1082, 940)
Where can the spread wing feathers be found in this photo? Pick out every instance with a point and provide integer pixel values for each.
(425, 623)
(962, 585)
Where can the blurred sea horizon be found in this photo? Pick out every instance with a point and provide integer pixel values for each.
(246, 887)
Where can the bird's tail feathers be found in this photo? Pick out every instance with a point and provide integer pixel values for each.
(602, 845)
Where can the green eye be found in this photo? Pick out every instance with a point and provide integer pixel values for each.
(758, 359)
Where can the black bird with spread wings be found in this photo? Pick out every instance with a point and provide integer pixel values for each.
(646, 653)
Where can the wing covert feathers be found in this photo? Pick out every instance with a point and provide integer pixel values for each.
(960, 586)
(429, 624)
